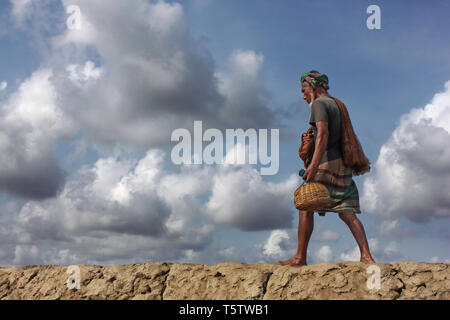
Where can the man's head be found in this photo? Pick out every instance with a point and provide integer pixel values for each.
(313, 84)
(308, 92)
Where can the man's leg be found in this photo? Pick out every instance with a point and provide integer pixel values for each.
(358, 232)
(305, 229)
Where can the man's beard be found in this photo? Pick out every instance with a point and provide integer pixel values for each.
(312, 97)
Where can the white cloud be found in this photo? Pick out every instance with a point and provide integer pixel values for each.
(392, 228)
(392, 252)
(26, 255)
(326, 235)
(351, 255)
(388, 226)
(38, 19)
(31, 124)
(149, 77)
(80, 74)
(190, 256)
(154, 76)
(324, 254)
(241, 84)
(163, 215)
(355, 255)
(117, 196)
(321, 234)
(242, 64)
(241, 198)
(412, 172)
(439, 260)
(229, 254)
(282, 244)
(435, 259)
(35, 105)
(20, 9)
(111, 211)
(3, 85)
(276, 244)
(386, 254)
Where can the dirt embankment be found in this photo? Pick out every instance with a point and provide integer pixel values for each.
(167, 281)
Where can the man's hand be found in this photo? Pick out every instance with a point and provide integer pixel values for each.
(310, 172)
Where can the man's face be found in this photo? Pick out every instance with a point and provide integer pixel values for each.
(308, 93)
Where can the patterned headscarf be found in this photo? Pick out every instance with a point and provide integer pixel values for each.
(315, 79)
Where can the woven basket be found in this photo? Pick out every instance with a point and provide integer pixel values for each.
(311, 196)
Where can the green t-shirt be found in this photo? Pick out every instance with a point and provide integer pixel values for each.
(326, 109)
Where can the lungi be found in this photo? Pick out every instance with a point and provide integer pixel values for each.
(337, 178)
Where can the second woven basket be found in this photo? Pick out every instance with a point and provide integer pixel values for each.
(311, 196)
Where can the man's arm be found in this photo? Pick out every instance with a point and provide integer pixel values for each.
(321, 146)
(321, 142)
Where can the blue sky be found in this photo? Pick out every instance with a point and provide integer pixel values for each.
(142, 68)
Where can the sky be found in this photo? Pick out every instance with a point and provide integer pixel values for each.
(87, 113)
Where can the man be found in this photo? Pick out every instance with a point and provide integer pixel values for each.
(330, 121)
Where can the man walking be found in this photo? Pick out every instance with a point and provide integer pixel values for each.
(337, 157)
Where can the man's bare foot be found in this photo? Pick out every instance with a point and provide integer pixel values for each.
(367, 259)
(294, 261)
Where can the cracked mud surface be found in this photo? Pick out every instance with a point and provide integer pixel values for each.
(229, 281)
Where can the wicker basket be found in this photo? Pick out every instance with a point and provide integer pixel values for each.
(311, 196)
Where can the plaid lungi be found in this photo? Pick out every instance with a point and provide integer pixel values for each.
(337, 178)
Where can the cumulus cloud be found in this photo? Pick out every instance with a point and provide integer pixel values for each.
(324, 254)
(155, 77)
(130, 75)
(126, 208)
(31, 124)
(96, 199)
(412, 172)
(39, 20)
(392, 228)
(26, 255)
(276, 244)
(83, 74)
(282, 244)
(386, 254)
(246, 97)
(113, 211)
(147, 76)
(392, 252)
(20, 9)
(354, 254)
(328, 235)
(439, 260)
(241, 198)
(321, 234)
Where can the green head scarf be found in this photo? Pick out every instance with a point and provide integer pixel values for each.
(314, 79)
